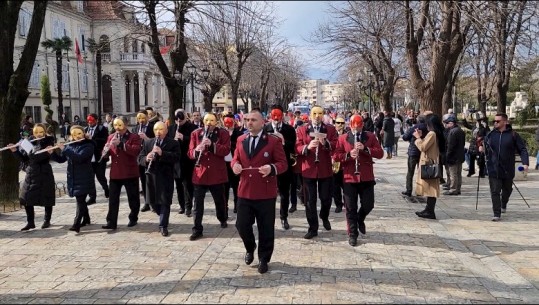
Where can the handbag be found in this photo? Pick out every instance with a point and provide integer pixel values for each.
(431, 171)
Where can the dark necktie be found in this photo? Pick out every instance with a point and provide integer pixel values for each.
(253, 145)
(358, 137)
(316, 128)
(158, 143)
(91, 131)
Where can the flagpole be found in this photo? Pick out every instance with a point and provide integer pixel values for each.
(78, 79)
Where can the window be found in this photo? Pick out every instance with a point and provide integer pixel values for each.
(65, 79)
(135, 46)
(84, 79)
(80, 6)
(29, 110)
(82, 43)
(142, 48)
(34, 112)
(67, 111)
(58, 28)
(34, 78)
(24, 22)
(126, 44)
(104, 40)
(85, 112)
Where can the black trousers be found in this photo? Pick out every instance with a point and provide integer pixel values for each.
(283, 185)
(480, 162)
(365, 191)
(263, 211)
(218, 194)
(412, 166)
(99, 172)
(312, 187)
(142, 174)
(500, 191)
(184, 186)
(233, 182)
(133, 198)
(30, 214)
(337, 188)
(294, 189)
(160, 203)
(82, 210)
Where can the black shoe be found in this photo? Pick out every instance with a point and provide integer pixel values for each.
(90, 201)
(107, 193)
(310, 235)
(262, 267)
(352, 241)
(109, 227)
(181, 211)
(164, 231)
(326, 224)
(75, 228)
(235, 211)
(406, 193)
(85, 222)
(293, 208)
(131, 224)
(285, 224)
(469, 175)
(224, 224)
(195, 236)
(145, 208)
(188, 213)
(46, 224)
(426, 214)
(481, 176)
(249, 257)
(361, 227)
(338, 209)
(28, 227)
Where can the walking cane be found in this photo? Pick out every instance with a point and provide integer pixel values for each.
(520, 194)
(477, 193)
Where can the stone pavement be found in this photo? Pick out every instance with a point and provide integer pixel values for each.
(462, 257)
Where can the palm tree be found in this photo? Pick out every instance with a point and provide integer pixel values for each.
(58, 45)
(97, 48)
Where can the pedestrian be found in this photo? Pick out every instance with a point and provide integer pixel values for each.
(258, 160)
(27, 125)
(454, 156)
(388, 134)
(80, 173)
(356, 150)
(431, 146)
(413, 152)
(479, 131)
(500, 146)
(144, 129)
(234, 131)
(99, 135)
(397, 129)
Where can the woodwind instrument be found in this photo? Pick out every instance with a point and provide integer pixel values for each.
(206, 131)
(106, 149)
(148, 168)
(57, 146)
(18, 144)
(358, 139)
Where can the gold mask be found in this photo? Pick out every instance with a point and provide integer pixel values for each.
(160, 130)
(38, 132)
(210, 120)
(142, 118)
(76, 134)
(119, 125)
(317, 113)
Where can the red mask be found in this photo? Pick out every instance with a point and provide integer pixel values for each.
(356, 121)
(276, 115)
(90, 119)
(229, 122)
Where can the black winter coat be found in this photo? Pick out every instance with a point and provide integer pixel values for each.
(185, 166)
(80, 173)
(38, 187)
(455, 146)
(388, 126)
(500, 148)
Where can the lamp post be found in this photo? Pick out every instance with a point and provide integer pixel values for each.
(192, 69)
(369, 87)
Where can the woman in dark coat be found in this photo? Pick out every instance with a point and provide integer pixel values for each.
(388, 134)
(378, 124)
(80, 175)
(38, 187)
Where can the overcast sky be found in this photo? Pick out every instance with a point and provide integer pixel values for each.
(300, 19)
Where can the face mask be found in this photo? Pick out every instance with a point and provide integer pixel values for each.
(77, 134)
(38, 132)
(119, 125)
(229, 122)
(356, 121)
(317, 114)
(141, 118)
(210, 120)
(276, 115)
(91, 120)
(160, 130)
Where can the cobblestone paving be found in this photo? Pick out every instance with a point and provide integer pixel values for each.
(462, 257)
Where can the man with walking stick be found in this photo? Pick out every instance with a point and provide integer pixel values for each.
(500, 146)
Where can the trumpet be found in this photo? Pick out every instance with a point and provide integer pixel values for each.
(57, 146)
(206, 131)
(148, 168)
(106, 149)
(18, 144)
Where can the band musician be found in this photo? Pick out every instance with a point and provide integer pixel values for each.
(355, 151)
(316, 142)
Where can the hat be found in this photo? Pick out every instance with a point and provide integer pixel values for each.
(450, 119)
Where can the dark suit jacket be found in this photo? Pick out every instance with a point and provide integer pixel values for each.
(185, 165)
(100, 138)
(289, 135)
(269, 150)
(149, 130)
(212, 169)
(309, 168)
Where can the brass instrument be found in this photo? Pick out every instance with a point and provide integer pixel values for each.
(336, 166)
(294, 159)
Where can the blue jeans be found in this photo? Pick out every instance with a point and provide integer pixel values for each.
(389, 150)
(537, 162)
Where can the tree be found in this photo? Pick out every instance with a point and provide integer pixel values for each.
(46, 99)
(14, 85)
(58, 45)
(96, 48)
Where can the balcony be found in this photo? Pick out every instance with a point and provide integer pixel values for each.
(135, 57)
(105, 57)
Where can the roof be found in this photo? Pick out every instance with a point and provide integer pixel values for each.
(105, 10)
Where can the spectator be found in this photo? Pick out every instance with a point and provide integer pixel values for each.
(413, 152)
(388, 134)
(454, 156)
(479, 131)
(368, 125)
(76, 120)
(27, 125)
(378, 124)
(398, 132)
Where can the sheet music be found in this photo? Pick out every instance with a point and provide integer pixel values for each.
(228, 157)
(27, 146)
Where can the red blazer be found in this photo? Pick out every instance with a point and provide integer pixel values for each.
(269, 150)
(124, 157)
(365, 162)
(309, 168)
(212, 169)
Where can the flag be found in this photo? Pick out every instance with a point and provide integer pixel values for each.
(77, 51)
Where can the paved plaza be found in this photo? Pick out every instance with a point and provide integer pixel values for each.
(462, 257)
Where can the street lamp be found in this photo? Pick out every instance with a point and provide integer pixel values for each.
(368, 85)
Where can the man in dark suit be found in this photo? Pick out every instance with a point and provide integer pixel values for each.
(287, 134)
(355, 150)
(159, 155)
(144, 130)
(258, 159)
(316, 142)
(99, 134)
(208, 147)
(181, 131)
(233, 180)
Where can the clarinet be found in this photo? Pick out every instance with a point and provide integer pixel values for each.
(358, 139)
(154, 156)
(106, 149)
(197, 163)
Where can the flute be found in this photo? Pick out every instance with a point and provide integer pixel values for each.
(206, 130)
(57, 146)
(154, 155)
(106, 149)
(18, 144)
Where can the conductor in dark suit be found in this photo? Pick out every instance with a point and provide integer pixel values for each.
(287, 134)
(159, 155)
(144, 129)
(99, 134)
(258, 159)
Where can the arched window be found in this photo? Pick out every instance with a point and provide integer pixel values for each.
(135, 46)
(142, 48)
(126, 44)
(104, 41)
